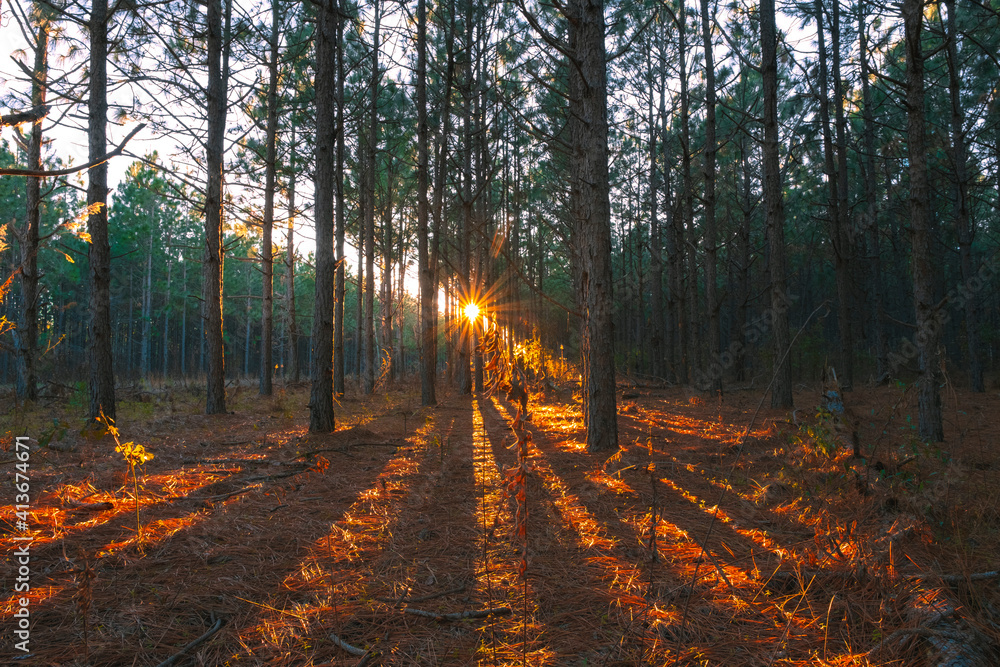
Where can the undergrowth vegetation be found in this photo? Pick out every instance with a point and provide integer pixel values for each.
(478, 533)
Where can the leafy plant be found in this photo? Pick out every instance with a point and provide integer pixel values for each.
(135, 455)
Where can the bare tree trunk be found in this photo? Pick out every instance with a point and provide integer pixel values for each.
(385, 287)
(711, 249)
(427, 314)
(26, 332)
(184, 319)
(338, 308)
(398, 362)
(928, 320)
(781, 390)
(293, 331)
(833, 207)
(963, 224)
(267, 257)
(368, 378)
(871, 204)
(147, 302)
(742, 288)
(166, 316)
(360, 292)
(689, 246)
(216, 395)
(591, 206)
(465, 269)
(438, 204)
(321, 415)
(102, 377)
(842, 240)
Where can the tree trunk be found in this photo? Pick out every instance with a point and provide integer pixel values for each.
(270, 167)
(465, 269)
(928, 320)
(184, 320)
(963, 224)
(166, 316)
(837, 235)
(843, 239)
(368, 378)
(591, 207)
(711, 249)
(438, 207)
(293, 331)
(398, 360)
(427, 314)
(216, 390)
(102, 378)
(871, 204)
(688, 247)
(781, 390)
(338, 312)
(655, 237)
(147, 303)
(321, 415)
(26, 332)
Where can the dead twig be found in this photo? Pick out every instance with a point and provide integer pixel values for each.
(353, 650)
(172, 660)
(459, 615)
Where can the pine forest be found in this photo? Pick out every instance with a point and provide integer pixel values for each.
(509, 332)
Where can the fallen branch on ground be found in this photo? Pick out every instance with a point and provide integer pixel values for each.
(353, 650)
(221, 496)
(172, 660)
(238, 462)
(459, 615)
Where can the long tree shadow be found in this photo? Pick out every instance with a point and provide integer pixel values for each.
(152, 597)
(736, 561)
(580, 588)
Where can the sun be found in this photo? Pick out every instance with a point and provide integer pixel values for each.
(472, 311)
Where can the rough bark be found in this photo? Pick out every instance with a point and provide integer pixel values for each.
(147, 301)
(102, 377)
(465, 259)
(843, 245)
(928, 327)
(338, 312)
(871, 204)
(270, 168)
(368, 377)
(781, 390)
(591, 207)
(215, 402)
(427, 314)
(834, 213)
(708, 201)
(689, 245)
(291, 323)
(321, 415)
(657, 337)
(26, 332)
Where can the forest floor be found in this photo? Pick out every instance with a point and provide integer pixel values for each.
(700, 543)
